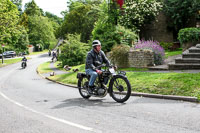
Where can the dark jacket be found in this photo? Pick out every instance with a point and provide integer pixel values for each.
(92, 57)
(24, 59)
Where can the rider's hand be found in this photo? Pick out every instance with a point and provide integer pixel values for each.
(99, 71)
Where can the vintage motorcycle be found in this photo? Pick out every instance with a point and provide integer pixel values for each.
(23, 64)
(119, 86)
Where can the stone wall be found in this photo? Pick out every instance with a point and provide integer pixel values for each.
(140, 58)
(136, 58)
(157, 30)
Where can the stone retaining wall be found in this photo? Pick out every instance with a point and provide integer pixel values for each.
(137, 58)
(140, 58)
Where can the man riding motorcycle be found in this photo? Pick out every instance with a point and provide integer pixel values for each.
(24, 60)
(95, 55)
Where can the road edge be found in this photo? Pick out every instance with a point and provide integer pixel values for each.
(158, 96)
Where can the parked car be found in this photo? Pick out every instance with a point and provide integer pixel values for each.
(8, 54)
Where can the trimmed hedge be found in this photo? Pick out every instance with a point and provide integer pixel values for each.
(189, 35)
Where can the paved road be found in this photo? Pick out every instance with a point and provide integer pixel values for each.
(31, 104)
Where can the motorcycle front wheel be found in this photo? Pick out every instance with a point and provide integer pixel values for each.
(120, 88)
(82, 87)
(23, 65)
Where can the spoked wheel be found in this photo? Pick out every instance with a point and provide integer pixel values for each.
(23, 65)
(82, 86)
(120, 89)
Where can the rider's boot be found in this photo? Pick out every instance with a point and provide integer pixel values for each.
(91, 89)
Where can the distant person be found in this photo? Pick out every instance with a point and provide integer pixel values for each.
(49, 52)
(54, 56)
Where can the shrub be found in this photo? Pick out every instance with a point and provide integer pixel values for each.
(159, 52)
(126, 36)
(189, 35)
(73, 52)
(119, 55)
(166, 45)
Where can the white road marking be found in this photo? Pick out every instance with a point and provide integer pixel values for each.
(51, 117)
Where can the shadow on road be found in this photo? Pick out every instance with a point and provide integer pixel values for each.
(44, 55)
(86, 102)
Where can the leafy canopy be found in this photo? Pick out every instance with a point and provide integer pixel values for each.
(139, 12)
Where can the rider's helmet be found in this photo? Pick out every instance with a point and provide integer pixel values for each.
(95, 43)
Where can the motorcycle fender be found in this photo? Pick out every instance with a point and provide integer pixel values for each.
(81, 75)
(119, 75)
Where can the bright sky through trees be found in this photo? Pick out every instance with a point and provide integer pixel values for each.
(52, 6)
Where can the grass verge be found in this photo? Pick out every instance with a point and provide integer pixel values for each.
(181, 84)
(11, 61)
(44, 68)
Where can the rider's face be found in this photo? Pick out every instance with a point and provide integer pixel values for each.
(98, 48)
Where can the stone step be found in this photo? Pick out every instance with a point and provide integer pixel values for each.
(194, 50)
(187, 60)
(158, 68)
(183, 66)
(191, 55)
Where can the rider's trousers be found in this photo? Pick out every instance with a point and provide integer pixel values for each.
(93, 76)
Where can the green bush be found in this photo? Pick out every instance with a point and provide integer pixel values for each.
(189, 35)
(73, 52)
(125, 36)
(166, 45)
(119, 55)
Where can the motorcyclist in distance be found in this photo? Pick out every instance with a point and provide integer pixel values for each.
(95, 55)
(24, 59)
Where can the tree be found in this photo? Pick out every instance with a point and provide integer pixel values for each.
(139, 12)
(40, 28)
(181, 12)
(55, 21)
(40, 31)
(80, 19)
(18, 3)
(73, 51)
(32, 9)
(8, 19)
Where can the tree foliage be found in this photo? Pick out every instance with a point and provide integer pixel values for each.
(18, 3)
(40, 31)
(110, 34)
(180, 12)
(40, 28)
(8, 19)
(73, 51)
(80, 19)
(138, 12)
(32, 9)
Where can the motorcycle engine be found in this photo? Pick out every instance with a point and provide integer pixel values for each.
(101, 91)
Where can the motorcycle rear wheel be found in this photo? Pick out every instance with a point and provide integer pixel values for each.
(120, 88)
(82, 87)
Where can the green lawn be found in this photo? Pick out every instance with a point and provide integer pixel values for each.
(172, 53)
(10, 61)
(182, 84)
(44, 68)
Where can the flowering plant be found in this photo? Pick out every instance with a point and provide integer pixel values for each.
(159, 52)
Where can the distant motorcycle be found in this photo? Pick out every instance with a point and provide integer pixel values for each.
(24, 60)
(23, 65)
(119, 86)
